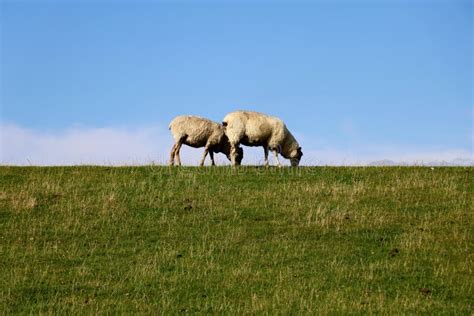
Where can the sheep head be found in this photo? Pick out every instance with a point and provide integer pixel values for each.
(295, 157)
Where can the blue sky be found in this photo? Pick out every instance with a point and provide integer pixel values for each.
(354, 80)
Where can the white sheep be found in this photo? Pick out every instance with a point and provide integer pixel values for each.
(198, 132)
(258, 129)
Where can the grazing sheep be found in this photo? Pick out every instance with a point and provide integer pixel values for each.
(198, 132)
(257, 129)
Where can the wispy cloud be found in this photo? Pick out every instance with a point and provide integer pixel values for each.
(81, 145)
(145, 145)
(390, 155)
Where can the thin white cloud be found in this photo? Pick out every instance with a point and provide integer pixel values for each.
(81, 145)
(145, 145)
(389, 155)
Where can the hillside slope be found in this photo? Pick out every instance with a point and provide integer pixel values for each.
(170, 240)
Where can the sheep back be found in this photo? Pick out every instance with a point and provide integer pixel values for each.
(254, 129)
(196, 131)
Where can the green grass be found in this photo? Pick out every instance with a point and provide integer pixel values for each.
(216, 240)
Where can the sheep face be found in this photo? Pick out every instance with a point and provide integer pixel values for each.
(295, 157)
(226, 149)
(240, 156)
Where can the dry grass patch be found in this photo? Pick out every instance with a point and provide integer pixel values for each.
(252, 240)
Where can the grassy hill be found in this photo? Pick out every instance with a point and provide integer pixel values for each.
(199, 240)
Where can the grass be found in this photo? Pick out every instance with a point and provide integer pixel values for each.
(213, 240)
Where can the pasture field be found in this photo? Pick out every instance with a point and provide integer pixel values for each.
(159, 240)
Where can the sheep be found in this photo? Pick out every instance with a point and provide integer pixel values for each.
(198, 132)
(257, 129)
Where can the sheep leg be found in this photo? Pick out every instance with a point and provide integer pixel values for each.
(211, 154)
(206, 150)
(178, 148)
(275, 152)
(172, 153)
(233, 154)
(265, 152)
